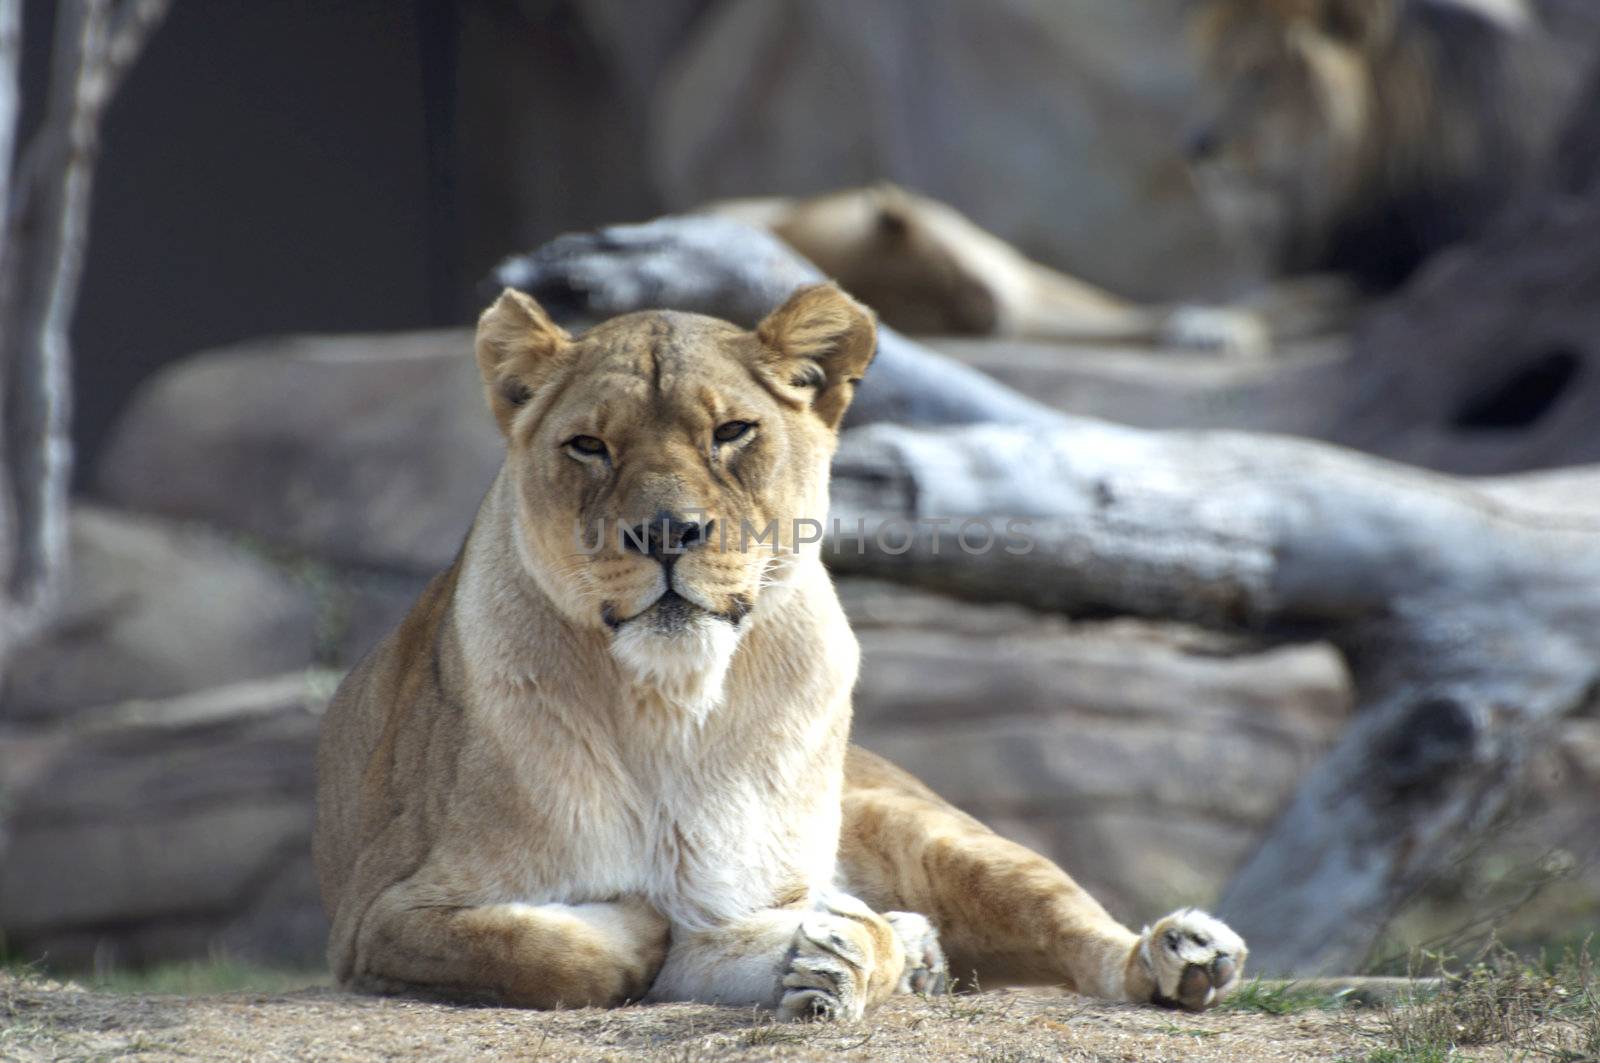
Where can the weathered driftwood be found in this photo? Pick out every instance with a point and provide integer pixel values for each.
(1471, 621)
(1471, 624)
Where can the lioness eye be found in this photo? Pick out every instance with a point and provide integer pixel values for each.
(731, 430)
(588, 445)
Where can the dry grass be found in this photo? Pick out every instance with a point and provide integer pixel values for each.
(1500, 1001)
(1497, 1008)
(1482, 1008)
(1284, 998)
(40, 1019)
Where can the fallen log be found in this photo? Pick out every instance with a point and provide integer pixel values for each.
(1471, 624)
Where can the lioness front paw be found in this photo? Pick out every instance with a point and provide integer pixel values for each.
(926, 972)
(1194, 959)
(828, 967)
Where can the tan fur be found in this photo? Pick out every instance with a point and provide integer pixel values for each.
(556, 783)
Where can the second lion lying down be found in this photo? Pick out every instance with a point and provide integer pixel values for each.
(605, 758)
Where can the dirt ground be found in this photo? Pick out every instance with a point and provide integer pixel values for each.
(44, 1020)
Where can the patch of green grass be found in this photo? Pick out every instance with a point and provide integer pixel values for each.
(216, 975)
(1280, 998)
(1432, 1054)
(1186, 1031)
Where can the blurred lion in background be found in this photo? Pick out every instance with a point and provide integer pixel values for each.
(1360, 137)
(1340, 145)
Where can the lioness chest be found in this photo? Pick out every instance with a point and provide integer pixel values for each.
(710, 821)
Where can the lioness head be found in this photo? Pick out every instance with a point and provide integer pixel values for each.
(1284, 130)
(668, 468)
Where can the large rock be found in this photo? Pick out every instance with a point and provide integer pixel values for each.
(364, 606)
(372, 449)
(155, 608)
(167, 830)
(1145, 758)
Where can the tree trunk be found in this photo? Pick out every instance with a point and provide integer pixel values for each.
(45, 234)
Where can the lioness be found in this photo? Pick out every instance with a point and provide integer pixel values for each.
(593, 768)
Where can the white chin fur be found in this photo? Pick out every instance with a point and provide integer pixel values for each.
(687, 667)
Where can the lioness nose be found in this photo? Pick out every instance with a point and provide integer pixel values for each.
(665, 536)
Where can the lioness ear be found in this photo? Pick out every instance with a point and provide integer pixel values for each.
(518, 346)
(820, 341)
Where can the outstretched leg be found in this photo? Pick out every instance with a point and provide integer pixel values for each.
(1008, 916)
(536, 956)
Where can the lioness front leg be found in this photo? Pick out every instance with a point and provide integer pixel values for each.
(1008, 916)
(523, 955)
(831, 961)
